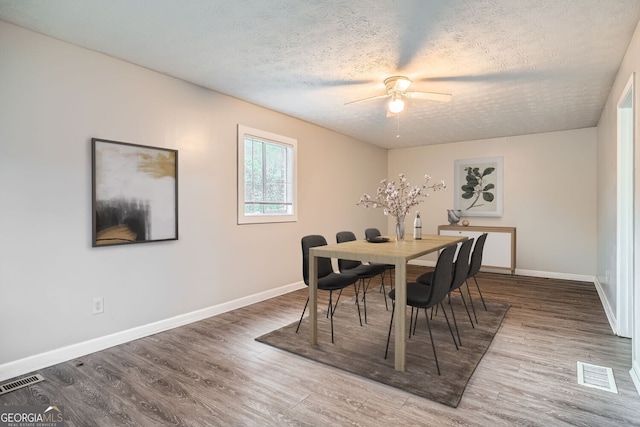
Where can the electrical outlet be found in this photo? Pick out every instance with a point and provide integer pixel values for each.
(98, 305)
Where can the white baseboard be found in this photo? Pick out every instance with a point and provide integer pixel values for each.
(635, 375)
(611, 315)
(521, 272)
(555, 275)
(39, 361)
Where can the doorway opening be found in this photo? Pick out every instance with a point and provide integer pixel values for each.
(625, 217)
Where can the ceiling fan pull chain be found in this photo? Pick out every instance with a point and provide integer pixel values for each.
(398, 135)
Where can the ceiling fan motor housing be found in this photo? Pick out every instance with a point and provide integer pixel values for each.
(397, 84)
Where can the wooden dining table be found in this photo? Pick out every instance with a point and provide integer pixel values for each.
(393, 252)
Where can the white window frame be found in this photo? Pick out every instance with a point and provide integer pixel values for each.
(244, 131)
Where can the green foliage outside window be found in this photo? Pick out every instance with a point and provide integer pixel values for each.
(267, 177)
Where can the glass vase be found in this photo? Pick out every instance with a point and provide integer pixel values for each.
(399, 228)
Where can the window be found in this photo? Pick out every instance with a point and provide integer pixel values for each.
(266, 177)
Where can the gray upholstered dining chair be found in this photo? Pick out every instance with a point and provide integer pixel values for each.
(328, 280)
(474, 268)
(369, 234)
(420, 295)
(364, 271)
(460, 270)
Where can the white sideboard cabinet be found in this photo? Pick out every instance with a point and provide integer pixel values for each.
(499, 249)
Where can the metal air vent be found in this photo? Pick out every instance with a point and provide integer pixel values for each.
(595, 376)
(19, 383)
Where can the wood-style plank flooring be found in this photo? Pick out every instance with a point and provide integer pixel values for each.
(213, 372)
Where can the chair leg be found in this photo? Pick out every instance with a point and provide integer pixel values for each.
(355, 288)
(465, 307)
(411, 323)
(336, 304)
(364, 298)
(425, 312)
(454, 322)
(449, 325)
(478, 286)
(365, 287)
(432, 344)
(303, 310)
(393, 309)
(331, 310)
(471, 301)
(384, 291)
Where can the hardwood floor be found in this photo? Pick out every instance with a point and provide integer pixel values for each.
(213, 372)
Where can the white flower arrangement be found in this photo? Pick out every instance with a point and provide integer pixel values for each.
(398, 200)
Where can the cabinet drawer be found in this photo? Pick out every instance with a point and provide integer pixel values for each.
(499, 248)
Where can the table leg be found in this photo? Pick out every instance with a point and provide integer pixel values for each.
(401, 316)
(313, 299)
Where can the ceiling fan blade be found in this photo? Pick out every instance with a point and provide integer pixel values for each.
(368, 99)
(489, 77)
(433, 96)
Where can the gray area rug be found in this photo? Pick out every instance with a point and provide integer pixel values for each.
(360, 349)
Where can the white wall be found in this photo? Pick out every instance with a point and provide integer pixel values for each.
(54, 98)
(549, 196)
(607, 202)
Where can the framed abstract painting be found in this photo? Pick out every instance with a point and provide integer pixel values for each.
(135, 193)
(479, 186)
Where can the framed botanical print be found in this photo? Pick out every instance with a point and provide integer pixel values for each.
(479, 186)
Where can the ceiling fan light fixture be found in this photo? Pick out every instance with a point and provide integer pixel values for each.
(396, 105)
(397, 90)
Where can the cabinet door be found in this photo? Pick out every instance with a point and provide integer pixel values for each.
(497, 248)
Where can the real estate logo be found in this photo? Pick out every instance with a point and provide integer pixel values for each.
(32, 416)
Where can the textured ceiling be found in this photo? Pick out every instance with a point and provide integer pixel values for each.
(513, 66)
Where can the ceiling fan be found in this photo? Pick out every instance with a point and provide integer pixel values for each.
(397, 90)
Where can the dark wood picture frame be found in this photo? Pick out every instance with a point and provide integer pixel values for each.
(135, 193)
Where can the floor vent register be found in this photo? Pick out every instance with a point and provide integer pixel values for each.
(595, 376)
(19, 383)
